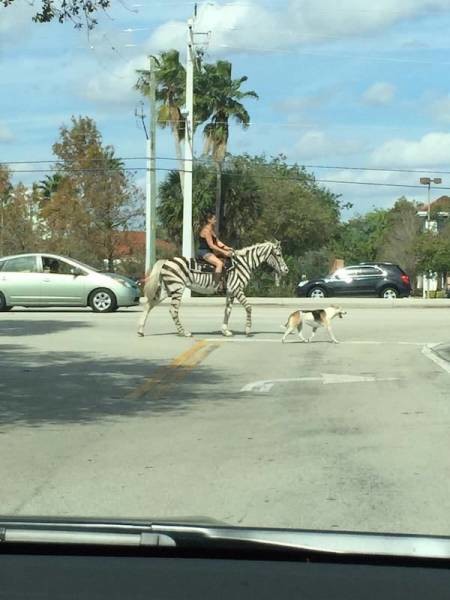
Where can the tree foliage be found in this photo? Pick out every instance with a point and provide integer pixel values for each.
(361, 237)
(93, 198)
(82, 13)
(399, 244)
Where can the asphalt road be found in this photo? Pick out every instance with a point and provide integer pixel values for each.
(95, 421)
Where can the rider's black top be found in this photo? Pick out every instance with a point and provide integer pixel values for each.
(204, 244)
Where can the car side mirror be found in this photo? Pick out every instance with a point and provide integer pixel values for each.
(77, 272)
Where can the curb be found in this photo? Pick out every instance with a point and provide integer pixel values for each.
(313, 303)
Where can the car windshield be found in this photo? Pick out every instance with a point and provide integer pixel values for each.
(268, 184)
(83, 265)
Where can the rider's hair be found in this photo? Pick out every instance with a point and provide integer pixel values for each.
(205, 217)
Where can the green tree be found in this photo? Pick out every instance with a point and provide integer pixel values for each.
(95, 197)
(170, 79)
(5, 193)
(80, 12)
(401, 236)
(170, 94)
(19, 224)
(433, 252)
(361, 237)
(224, 101)
(49, 185)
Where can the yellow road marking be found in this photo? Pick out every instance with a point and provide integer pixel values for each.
(176, 370)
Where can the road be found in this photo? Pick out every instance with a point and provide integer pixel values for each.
(95, 421)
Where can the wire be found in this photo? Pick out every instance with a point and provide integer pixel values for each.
(256, 176)
(207, 160)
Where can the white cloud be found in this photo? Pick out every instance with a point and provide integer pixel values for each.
(6, 134)
(379, 93)
(319, 144)
(114, 87)
(432, 150)
(253, 27)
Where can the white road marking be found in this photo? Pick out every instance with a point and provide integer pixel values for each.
(253, 340)
(428, 352)
(325, 378)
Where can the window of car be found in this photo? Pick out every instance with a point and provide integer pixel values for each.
(57, 266)
(20, 264)
(346, 273)
(366, 271)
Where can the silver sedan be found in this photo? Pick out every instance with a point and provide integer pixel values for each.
(42, 279)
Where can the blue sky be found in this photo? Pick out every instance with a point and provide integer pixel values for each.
(341, 84)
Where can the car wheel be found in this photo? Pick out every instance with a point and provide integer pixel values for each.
(389, 293)
(102, 301)
(3, 306)
(317, 292)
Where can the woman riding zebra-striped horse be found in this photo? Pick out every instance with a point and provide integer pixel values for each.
(170, 277)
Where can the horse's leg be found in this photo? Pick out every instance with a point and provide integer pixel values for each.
(228, 307)
(175, 301)
(242, 299)
(143, 320)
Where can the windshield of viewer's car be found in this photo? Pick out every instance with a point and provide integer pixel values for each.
(268, 184)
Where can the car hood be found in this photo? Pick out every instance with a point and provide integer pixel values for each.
(119, 277)
(203, 532)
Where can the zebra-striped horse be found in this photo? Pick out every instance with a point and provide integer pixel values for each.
(170, 277)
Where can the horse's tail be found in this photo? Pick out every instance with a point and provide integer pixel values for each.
(152, 285)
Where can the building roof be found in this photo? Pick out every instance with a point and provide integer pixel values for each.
(132, 242)
(442, 203)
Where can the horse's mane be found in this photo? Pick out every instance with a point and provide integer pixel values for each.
(246, 249)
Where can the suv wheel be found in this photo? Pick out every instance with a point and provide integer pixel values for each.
(389, 293)
(317, 292)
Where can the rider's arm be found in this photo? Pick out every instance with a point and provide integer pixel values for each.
(215, 247)
(223, 246)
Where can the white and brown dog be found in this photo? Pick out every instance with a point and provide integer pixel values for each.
(315, 319)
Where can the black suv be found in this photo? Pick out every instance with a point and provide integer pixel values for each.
(382, 279)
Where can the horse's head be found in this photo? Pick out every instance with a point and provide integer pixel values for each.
(276, 260)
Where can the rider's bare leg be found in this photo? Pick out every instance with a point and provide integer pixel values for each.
(218, 267)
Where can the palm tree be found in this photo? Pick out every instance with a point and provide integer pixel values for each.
(224, 103)
(49, 185)
(170, 94)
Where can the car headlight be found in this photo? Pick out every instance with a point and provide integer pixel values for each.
(126, 283)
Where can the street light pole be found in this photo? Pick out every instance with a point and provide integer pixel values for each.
(150, 187)
(428, 181)
(188, 147)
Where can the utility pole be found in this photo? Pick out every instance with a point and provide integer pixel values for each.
(150, 187)
(428, 181)
(187, 249)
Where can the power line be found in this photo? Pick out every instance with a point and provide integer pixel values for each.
(208, 160)
(256, 176)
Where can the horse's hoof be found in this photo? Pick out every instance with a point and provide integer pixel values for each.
(187, 334)
(227, 333)
(140, 334)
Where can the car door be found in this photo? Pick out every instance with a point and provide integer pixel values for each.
(62, 283)
(344, 282)
(369, 278)
(20, 280)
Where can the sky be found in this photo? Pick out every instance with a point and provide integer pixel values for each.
(357, 92)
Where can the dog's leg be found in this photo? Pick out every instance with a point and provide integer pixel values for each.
(300, 332)
(331, 334)
(288, 331)
(314, 329)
